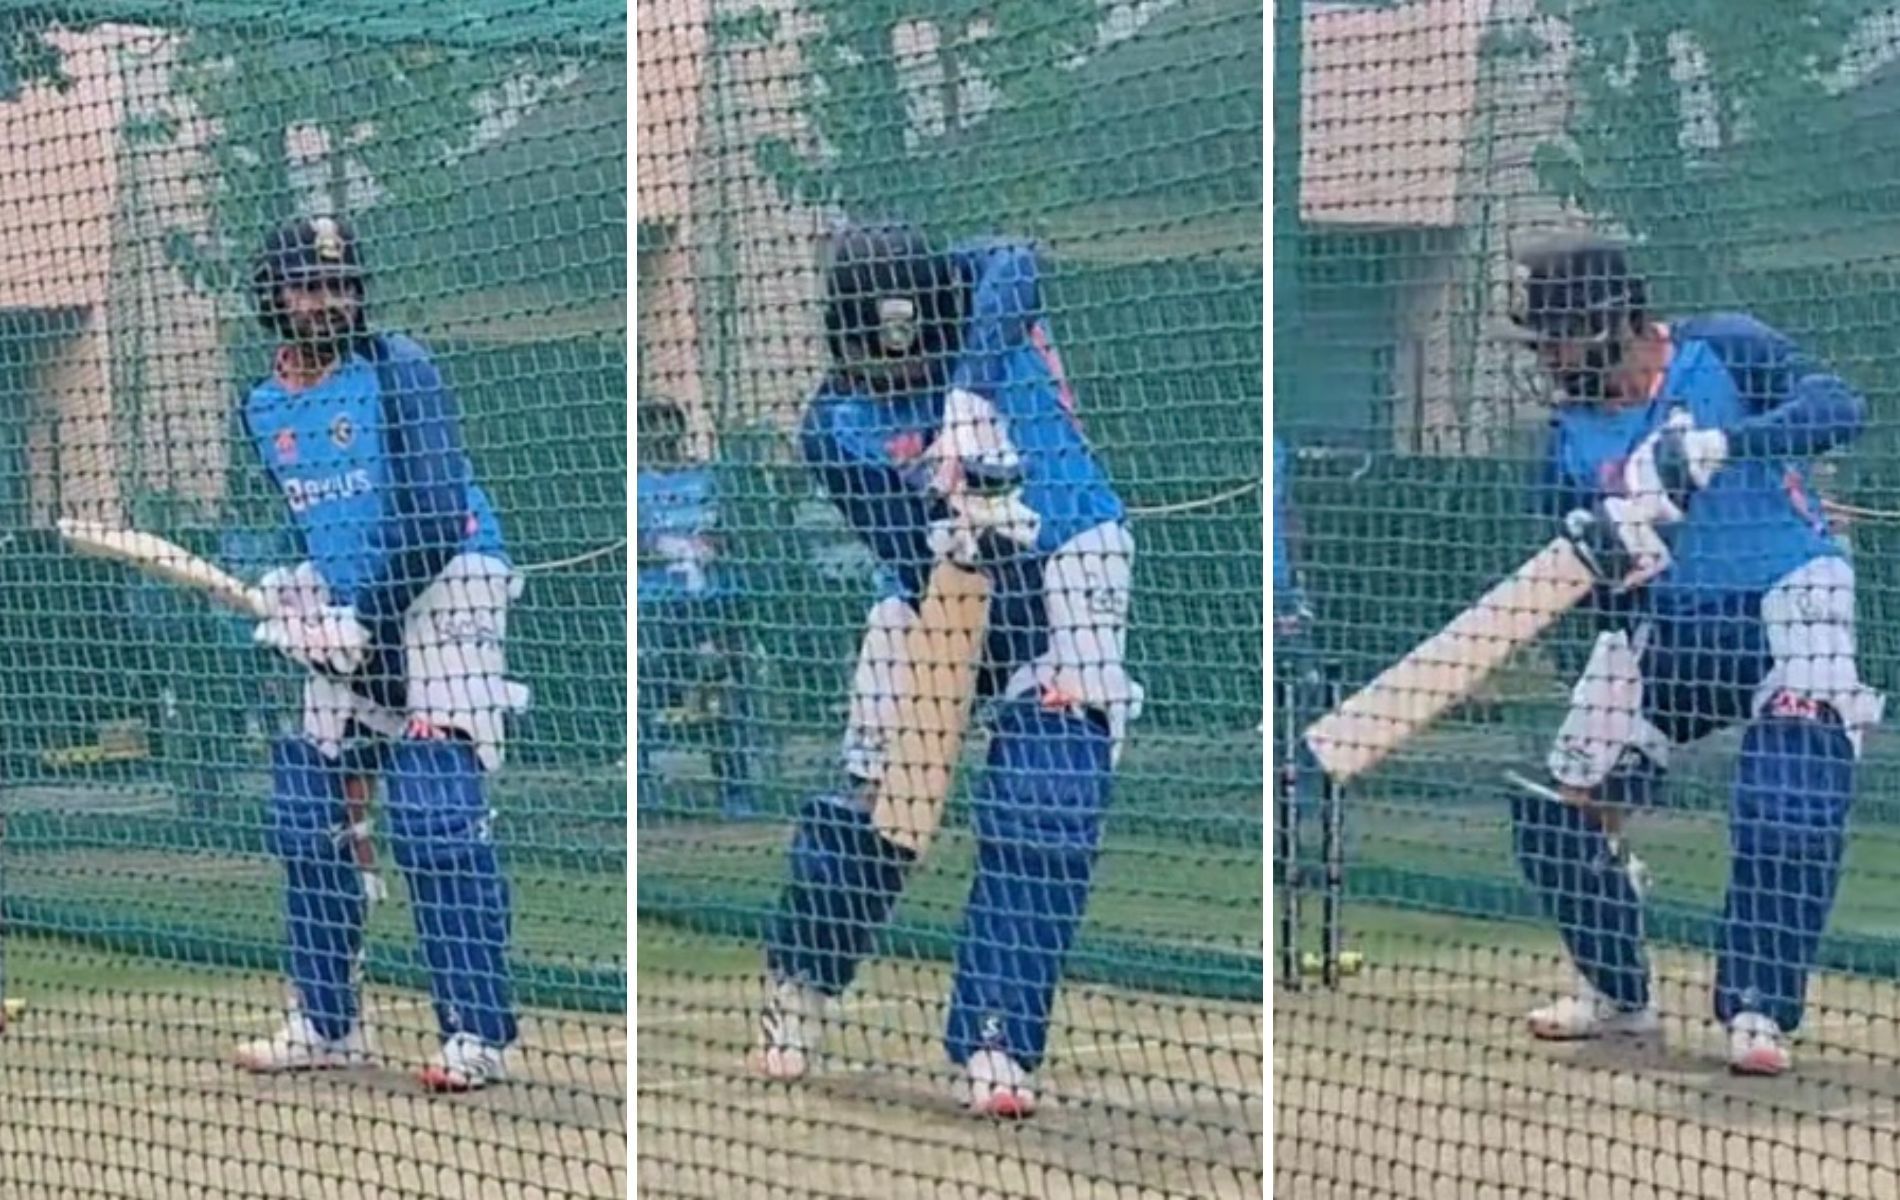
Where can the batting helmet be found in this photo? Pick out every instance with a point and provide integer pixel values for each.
(305, 251)
(1577, 287)
(893, 307)
(1581, 289)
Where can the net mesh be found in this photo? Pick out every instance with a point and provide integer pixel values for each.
(1125, 140)
(480, 150)
(1739, 147)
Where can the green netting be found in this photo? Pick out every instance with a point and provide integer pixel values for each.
(1126, 142)
(1741, 150)
(145, 152)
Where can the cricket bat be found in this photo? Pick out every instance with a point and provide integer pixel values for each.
(167, 561)
(1447, 667)
(172, 563)
(931, 717)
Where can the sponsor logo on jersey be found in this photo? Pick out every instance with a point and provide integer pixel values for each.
(304, 494)
(286, 443)
(342, 431)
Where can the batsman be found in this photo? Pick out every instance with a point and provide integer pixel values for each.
(1679, 465)
(399, 612)
(945, 432)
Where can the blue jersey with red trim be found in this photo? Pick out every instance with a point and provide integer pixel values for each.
(373, 468)
(868, 451)
(1759, 518)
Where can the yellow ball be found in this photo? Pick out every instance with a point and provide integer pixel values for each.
(15, 1007)
(1351, 962)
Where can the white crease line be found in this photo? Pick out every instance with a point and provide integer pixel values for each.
(700, 1017)
(1084, 1050)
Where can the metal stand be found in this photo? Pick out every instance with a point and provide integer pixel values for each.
(1286, 833)
(1304, 691)
(1332, 855)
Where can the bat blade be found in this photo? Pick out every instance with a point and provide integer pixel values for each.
(160, 559)
(934, 711)
(1447, 667)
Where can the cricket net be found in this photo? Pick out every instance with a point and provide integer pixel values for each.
(145, 152)
(1741, 149)
(1125, 140)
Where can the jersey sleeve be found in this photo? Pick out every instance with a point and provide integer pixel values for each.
(258, 491)
(426, 514)
(1797, 407)
(889, 516)
(1005, 306)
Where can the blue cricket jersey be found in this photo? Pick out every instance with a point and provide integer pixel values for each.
(869, 451)
(373, 467)
(1758, 519)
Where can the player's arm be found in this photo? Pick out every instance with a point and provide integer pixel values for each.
(890, 514)
(259, 487)
(425, 517)
(1797, 408)
(1800, 408)
(1613, 530)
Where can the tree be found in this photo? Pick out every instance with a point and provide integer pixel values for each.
(1692, 122)
(892, 88)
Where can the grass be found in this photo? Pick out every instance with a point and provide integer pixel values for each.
(663, 950)
(1687, 852)
(46, 967)
(560, 917)
(1146, 888)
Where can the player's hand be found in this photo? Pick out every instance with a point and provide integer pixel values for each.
(979, 474)
(328, 638)
(1687, 459)
(1672, 464)
(1618, 542)
(294, 590)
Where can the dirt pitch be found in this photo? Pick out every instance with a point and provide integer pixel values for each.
(1145, 1098)
(123, 1091)
(1418, 1082)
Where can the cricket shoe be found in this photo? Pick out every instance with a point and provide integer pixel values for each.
(297, 1046)
(464, 1064)
(788, 1030)
(1590, 1014)
(1756, 1045)
(996, 1085)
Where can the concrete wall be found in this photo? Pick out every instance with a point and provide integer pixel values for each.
(729, 326)
(672, 37)
(125, 384)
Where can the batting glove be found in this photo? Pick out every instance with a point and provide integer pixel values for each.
(292, 590)
(1674, 463)
(979, 475)
(329, 638)
(1617, 540)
